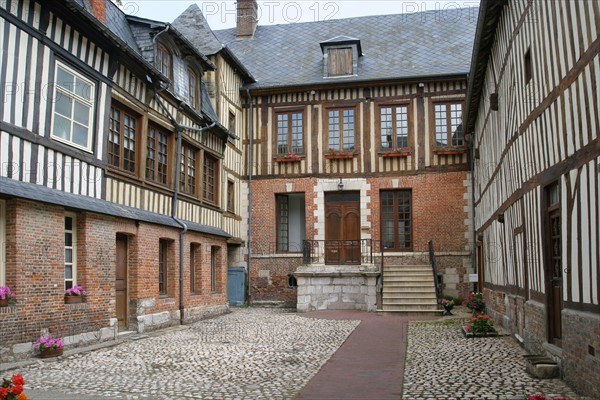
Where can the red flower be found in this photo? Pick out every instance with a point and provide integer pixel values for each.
(3, 392)
(18, 389)
(18, 380)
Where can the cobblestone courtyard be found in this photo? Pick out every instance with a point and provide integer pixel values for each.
(272, 354)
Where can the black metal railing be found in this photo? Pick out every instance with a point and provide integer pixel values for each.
(340, 252)
(438, 290)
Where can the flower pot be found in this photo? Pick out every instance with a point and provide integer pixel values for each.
(448, 308)
(73, 299)
(450, 152)
(287, 159)
(51, 353)
(4, 303)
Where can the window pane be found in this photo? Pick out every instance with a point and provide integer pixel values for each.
(82, 113)
(402, 126)
(282, 134)
(68, 255)
(83, 89)
(348, 129)
(64, 79)
(68, 272)
(62, 127)
(63, 104)
(334, 130)
(68, 239)
(80, 135)
(297, 145)
(386, 127)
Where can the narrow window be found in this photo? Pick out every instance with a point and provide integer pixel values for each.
(73, 108)
(396, 220)
(70, 251)
(193, 89)
(213, 269)
(341, 130)
(291, 222)
(157, 155)
(163, 247)
(210, 179)
(448, 125)
(231, 125)
(290, 135)
(187, 172)
(164, 61)
(527, 66)
(230, 197)
(339, 61)
(394, 127)
(121, 139)
(195, 258)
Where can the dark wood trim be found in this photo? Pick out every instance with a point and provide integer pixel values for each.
(314, 138)
(579, 158)
(367, 136)
(264, 132)
(60, 147)
(539, 297)
(562, 86)
(585, 307)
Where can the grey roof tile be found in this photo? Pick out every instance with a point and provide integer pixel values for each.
(192, 24)
(397, 46)
(30, 191)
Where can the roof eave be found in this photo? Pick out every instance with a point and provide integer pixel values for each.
(490, 12)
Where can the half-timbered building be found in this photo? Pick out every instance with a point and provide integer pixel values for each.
(353, 152)
(532, 110)
(111, 179)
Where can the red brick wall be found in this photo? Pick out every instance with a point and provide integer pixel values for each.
(35, 272)
(438, 214)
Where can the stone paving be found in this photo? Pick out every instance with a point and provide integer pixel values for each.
(273, 353)
(442, 364)
(248, 354)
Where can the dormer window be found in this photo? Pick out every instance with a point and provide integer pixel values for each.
(340, 61)
(193, 89)
(340, 56)
(164, 61)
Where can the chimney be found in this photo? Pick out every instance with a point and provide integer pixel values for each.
(99, 10)
(246, 17)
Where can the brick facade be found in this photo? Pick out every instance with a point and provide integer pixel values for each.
(440, 219)
(35, 272)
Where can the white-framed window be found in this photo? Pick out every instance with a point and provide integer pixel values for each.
(2, 243)
(70, 250)
(73, 108)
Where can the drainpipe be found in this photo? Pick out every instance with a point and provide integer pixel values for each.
(250, 161)
(178, 129)
(474, 249)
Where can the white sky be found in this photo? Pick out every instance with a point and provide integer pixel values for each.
(221, 14)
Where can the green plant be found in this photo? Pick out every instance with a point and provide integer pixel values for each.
(480, 324)
(475, 303)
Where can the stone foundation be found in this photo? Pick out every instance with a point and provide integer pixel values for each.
(339, 287)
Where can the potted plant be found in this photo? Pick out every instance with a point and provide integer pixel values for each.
(76, 294)
(13, 389)
(475, 303)
(448, 306)
(480, 325)
(6, 296)
(49, 346)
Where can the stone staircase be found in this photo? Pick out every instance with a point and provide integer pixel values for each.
(409, 289)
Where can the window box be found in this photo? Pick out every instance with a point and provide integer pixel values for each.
(450, 150)
(397, 153)
(339, 156)
(290, 158)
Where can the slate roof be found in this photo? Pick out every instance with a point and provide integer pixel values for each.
(192, 24)
(31, 191)
(401, 46)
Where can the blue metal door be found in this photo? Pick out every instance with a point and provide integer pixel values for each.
(236, 279)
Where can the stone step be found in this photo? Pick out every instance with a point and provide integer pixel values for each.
(409, 295)
(415, 291)
(407, 279)
(410, 312)
(410, 307)
(408, 273)
(387, 268)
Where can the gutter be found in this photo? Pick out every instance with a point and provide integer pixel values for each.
(250, 161)
(178, 129)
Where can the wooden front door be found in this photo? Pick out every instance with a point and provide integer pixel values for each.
(121, 281)
(342, 228)
(554, 286)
